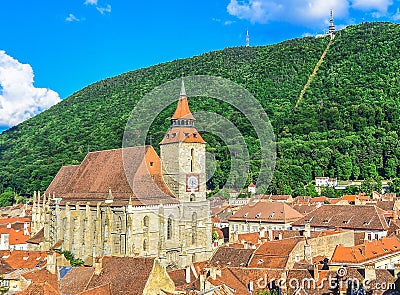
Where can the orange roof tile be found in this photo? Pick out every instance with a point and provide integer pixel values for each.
(182, 110)
(182, 134)
(367, 251)
(268, 212)
(24, 259)
(104, 171)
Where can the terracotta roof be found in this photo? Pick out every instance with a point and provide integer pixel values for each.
(227, 256)
(252, 185)
(318, 200)
(104, 173)
(182, 134)
(267, 211)
(273, 254)
(386, 205)
(101, 290)
(76, 280)
(42, 276)
(39, 289)
(358, 217)
(16, 237)
(24, 259)
(4, 221)
(126, 275)
(5, 267)
(367, 251)
(304, 208)
(37, 238)
(252, 238)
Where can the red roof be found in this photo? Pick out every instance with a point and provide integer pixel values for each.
(182, 110)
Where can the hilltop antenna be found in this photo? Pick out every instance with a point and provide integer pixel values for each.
(247, 38)
(332, 29)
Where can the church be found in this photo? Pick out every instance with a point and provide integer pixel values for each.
(131, 202)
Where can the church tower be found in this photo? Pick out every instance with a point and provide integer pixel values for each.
(332, 29)
(183, 155)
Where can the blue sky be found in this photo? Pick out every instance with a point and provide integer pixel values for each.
(54, 48)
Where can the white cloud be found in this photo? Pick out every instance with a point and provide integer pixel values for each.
(308, 12)
(301, 12)
(380, 6)
(90, 2)
(104, 10)
(228, 22)
(72, 18)
(19, 99)
(396, 16)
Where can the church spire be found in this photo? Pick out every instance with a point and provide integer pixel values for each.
(183, 90)
(332, 29)
(182, 110)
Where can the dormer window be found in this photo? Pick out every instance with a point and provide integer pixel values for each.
(272, 215)
(246, 214)
(186, 134)
(195, 135)
(173, 135)
(151, 164)
(260, 261)
(258, 215)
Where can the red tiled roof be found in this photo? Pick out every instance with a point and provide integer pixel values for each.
(24, 259)
(182, 109)
(39, 289)
(37, 238)
(76, 280)
(101, 290)
(16, 237)
(126, 275)
(267, 212)
(358, 217)
(182, 134)
(104, 171)
(228, 256)
(367, 251)
(42, 276)
(273, 254)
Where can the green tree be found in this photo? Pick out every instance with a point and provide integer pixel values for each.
(7, 198)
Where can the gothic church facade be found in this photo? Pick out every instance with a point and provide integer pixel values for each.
(145, 206)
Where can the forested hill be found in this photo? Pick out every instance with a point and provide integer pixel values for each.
(346, 125)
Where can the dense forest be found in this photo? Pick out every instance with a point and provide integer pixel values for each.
(345, 126)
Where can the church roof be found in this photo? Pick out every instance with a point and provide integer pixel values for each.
(182, 134)
(121, 175)
(182, 111)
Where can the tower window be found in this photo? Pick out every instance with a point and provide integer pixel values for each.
(169, 228)
(191, 160)
(151, 164)
(192, 197)
(145, 246)
(146, 221)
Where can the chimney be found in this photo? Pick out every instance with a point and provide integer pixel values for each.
(270, 234)
(202, 281)
(262, 232)
(316, 272)
(187, 275)
(26, 228)
(370, 273)
(251, 287)
(98, 266)
(51, 264)
(307, 230)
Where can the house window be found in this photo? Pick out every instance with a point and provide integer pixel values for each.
(369, 237)
(192, 197)
(145, 245)
(169, 228)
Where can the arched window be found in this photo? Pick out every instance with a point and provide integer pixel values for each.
(169, 228)
(146, 221)
(191, 160)
(145, 246)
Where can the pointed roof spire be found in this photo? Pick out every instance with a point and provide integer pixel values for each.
(183, 90)
(182, 110)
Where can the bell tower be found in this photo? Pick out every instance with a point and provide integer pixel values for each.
(183, 154)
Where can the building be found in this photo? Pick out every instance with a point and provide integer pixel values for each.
(383, 253)
(146, 206)
(367, 219)
(325, 182)
(252, 217)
